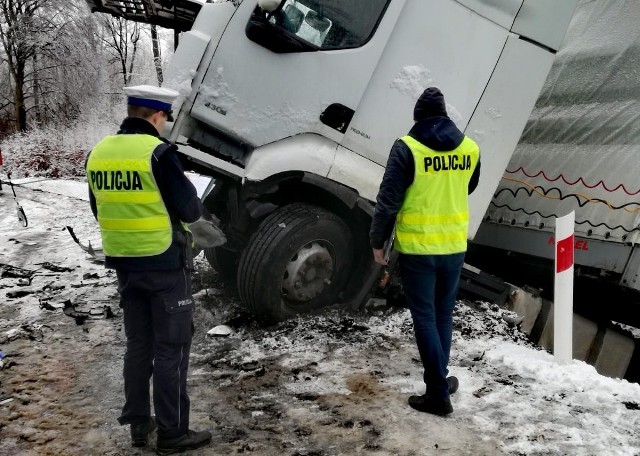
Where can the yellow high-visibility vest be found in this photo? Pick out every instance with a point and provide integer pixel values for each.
(434, 218)
(133, 218)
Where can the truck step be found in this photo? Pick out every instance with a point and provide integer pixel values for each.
(476, 285)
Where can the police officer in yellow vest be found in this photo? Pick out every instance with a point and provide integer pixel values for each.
(423, 193)
(143, 203)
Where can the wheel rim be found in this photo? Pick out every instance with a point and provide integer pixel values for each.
(308, 273)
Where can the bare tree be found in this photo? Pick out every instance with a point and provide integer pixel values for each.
(48, 55)
(17, 30)
(157, 56)
(121, 39)
(67, 69)
(59, 61)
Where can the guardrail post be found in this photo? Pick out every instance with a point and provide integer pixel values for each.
(563, 289)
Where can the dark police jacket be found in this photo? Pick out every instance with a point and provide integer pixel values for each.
(179, 196)
(437, 133)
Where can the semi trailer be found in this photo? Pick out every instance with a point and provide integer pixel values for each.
(293, 112)
(579, 152)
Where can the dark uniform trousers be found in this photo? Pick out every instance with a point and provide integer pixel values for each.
(158, 311)
(430, 283)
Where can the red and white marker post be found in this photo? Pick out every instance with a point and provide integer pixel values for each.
(563, 289)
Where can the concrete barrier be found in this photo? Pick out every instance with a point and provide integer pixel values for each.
(608, 350)
(584, 336)
(615, 354)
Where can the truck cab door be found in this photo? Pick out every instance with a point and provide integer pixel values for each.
(303, 68)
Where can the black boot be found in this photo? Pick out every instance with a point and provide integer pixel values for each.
(189, 441)
(453, 384)
(140, 432)
(424, 403)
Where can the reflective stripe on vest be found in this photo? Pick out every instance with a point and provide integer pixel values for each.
(434, 218)
(133, 219)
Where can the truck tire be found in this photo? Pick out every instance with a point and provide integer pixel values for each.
(298, 260)
(225, 262)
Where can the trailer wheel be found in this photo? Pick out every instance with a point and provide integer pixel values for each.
(225, 262)
(298, 260)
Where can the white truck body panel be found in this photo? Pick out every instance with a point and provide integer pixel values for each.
(308, 152)
(544, 21)
(425, 50)
(189, 61)
(499, 117)
(180, 74)
(502, 12)
(357, 172)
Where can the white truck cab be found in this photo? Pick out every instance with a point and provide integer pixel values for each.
(293, 110)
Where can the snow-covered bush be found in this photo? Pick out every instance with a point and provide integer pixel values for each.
(58, 152)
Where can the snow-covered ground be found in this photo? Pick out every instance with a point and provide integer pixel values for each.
(330, 384)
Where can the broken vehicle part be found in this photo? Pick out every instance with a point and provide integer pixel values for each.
(22, 217)
(6, 270)
(98, 254)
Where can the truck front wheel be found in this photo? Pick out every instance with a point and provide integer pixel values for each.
(298, 260)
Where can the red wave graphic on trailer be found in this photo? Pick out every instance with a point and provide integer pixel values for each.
(580, 179)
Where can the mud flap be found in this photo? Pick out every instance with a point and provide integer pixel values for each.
(98, 254)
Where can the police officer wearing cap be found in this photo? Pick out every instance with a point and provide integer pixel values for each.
(143, 203)
(423, 195)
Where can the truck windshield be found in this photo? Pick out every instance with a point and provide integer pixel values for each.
(331, 24)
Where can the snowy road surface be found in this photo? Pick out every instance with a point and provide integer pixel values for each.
(332, 384)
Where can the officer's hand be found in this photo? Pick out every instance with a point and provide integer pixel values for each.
(378, 256)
